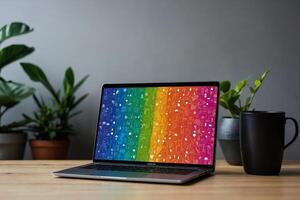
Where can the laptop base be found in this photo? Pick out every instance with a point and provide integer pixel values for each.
(83, 173)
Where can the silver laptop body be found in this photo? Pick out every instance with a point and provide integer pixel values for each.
(154, 132)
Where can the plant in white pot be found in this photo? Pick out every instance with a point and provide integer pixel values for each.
(50, 123)
(230, 99)
(12, 136)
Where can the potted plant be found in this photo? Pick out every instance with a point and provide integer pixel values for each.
(229, 125)
(12, 137)
(51, 122)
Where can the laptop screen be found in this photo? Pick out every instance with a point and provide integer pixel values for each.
(167, 124)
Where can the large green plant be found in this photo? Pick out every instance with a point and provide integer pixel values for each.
(230, 97)
(12, 93)
(53, 121)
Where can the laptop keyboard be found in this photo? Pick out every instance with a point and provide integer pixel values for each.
(144, 169)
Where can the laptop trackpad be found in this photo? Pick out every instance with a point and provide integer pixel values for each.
(117, 173)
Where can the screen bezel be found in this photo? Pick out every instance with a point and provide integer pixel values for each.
(173, 84)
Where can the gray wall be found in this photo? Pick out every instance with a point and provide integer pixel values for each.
(161, 40)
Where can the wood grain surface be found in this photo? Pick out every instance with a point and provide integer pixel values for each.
(33, 180)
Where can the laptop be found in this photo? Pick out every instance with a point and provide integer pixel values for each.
(154, 132)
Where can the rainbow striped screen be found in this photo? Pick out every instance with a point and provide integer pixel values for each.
(158, 124)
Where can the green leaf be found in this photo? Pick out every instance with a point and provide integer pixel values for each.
(68, 81)
(257, 83)
(240, 86)
(13, 93)
(225, 99)
(70, 76)
(13, 53)
(78, 101)
(248, 101)
(27, 117)
(37, 101)
(235, 111)
(254, 89)
(263, 76)
(13, 29)
(232, 97)
(16, 124)
(223, 103)
(226, 96)
(225, 86)
(74, 114)
(80, 83)
(36, 74)
(247, 104)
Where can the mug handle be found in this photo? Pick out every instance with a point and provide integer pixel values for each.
(296, 131)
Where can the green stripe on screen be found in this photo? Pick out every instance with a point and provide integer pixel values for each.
(135, 107)
(147, 124)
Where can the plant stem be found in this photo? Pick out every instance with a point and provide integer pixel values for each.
(2, 112)
(251, 99)
(231, 113)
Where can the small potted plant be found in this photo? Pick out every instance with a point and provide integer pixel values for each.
(12, 137)
(51, 122)
(229, 125)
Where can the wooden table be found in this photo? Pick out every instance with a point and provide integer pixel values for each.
(33, 180)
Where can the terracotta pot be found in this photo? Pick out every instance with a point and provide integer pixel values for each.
(49, 149)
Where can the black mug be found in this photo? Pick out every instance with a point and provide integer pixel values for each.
(262, 141)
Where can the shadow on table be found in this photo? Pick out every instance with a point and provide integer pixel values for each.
(290, 172)
(284, 172)
(229, 172)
